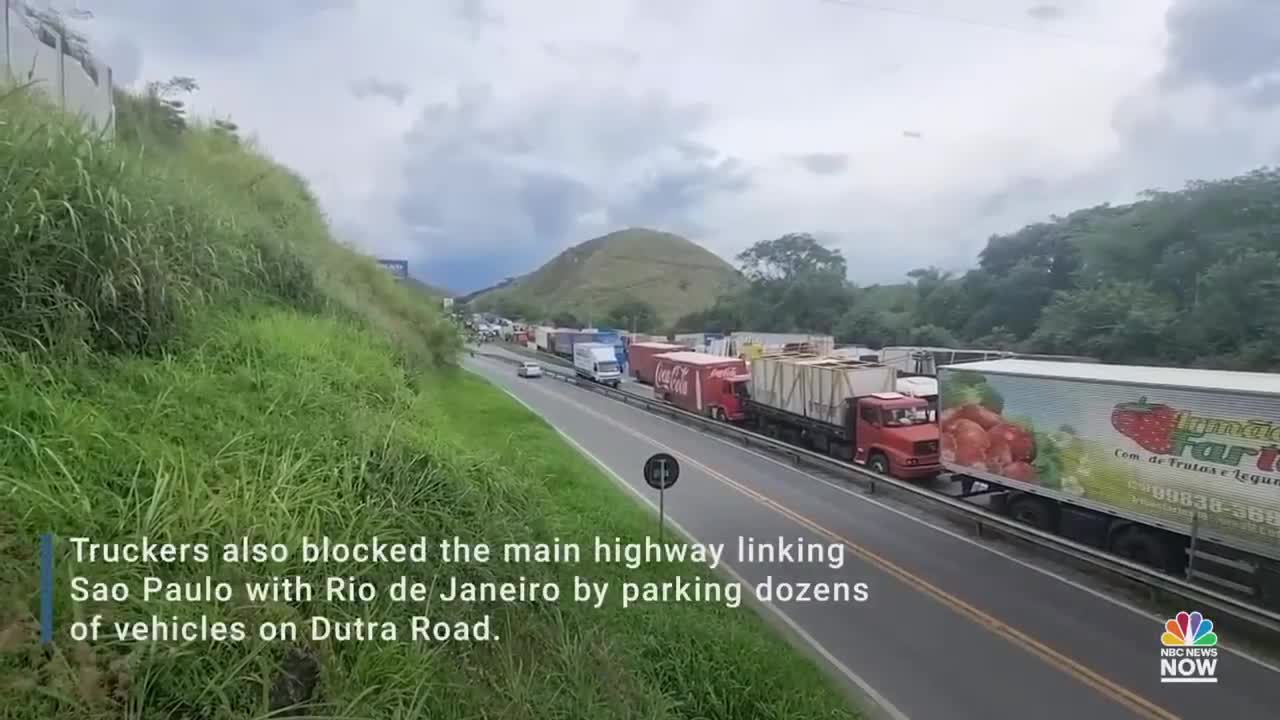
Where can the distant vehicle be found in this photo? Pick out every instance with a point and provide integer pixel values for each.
(597, 362)
(529, 370)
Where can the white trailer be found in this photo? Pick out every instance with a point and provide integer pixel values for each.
(816, 387)
(1135, 460)
(922, 360)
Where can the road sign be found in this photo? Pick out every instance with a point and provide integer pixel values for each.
(661, 471)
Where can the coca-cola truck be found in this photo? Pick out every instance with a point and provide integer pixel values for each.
(644, 358)
(701, 383)
(845, 408)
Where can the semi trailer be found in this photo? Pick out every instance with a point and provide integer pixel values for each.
(848, 409)
(701, 383)
(644, 358)
(1175, 468)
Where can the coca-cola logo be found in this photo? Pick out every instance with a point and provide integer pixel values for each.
(725, 372)
(673, 378)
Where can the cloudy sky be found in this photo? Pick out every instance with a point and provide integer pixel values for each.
(477, 138)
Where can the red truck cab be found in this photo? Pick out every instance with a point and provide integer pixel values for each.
(894, 435)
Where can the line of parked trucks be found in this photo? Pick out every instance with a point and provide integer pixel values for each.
(1175, 468)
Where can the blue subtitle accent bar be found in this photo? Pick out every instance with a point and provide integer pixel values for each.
(46, 588)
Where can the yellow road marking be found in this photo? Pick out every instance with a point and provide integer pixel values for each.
(1135, 702)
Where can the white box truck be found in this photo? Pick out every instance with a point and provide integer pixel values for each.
(597, 362)
(1134, 460)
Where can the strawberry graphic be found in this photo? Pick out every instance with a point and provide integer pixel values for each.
(1149, 425)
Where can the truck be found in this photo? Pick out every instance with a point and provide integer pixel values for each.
(1175, 468)
(701, 383)
(919, 386)
(643, 356)
(560, 342)
(597, 363)
(848, 409)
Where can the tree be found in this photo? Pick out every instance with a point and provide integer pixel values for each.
(165, 97)
(869, 327)
(565, 319)
(793, 283)
(1113, 321)
(931, 336)
(633, 314)
(790, 258)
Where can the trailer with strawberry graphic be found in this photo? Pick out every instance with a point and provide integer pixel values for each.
(1135, 460)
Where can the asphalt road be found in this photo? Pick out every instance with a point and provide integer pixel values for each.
(951, 630)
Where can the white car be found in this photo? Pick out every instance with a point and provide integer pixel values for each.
(529, 370)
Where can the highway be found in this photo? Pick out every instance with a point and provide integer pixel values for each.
(952, 629)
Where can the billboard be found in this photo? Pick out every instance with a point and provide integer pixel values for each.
(399, 268)
(1160, 455)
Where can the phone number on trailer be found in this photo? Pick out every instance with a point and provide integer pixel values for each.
(1214, 505)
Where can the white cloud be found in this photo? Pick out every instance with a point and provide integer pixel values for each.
(526, 127)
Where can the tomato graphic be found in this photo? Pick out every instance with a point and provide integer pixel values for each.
(980, 415)
(1021, 444)
(1021, 471)
(971, 442)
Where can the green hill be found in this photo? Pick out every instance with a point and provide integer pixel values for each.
(671, 273)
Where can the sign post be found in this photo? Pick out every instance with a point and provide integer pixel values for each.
(661, 472)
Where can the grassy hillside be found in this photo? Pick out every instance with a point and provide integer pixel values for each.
(673, 274)
(186, 355)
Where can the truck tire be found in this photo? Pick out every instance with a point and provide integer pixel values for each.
(1143, 546)
(878, 463)
(718, 414)
(1031, 510)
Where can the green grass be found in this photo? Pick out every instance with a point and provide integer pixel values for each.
(675, 275)
(277, 425)
(185, 354)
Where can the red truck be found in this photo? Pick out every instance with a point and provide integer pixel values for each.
(701, 383)
(845, 408)
(643, 358)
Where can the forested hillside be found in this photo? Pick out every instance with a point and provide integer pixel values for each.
(1187, 277)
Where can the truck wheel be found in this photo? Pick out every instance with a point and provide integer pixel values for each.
(718, 414)
(879, 463)
(1141, 546)
(1033, 511)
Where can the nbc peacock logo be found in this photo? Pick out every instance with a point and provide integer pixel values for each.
(1190, 652)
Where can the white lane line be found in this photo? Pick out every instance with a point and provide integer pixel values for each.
(1266, 664)
(887, 707)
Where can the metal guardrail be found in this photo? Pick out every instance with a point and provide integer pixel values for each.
(1202, 597)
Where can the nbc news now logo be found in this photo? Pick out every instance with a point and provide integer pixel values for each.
(1190, 652)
